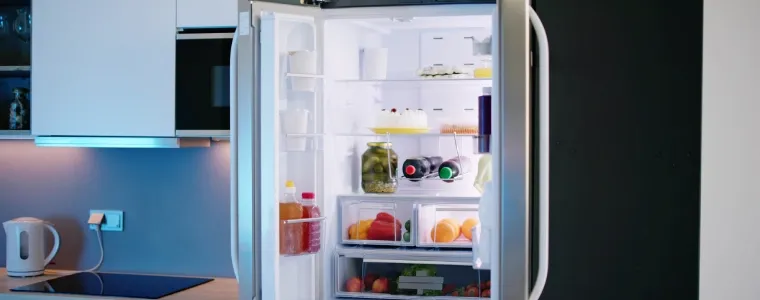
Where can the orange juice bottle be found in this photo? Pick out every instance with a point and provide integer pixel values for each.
(290, 209)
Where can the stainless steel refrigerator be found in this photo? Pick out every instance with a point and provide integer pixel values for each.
(346, 101)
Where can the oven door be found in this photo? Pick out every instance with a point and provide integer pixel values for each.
(203, 82)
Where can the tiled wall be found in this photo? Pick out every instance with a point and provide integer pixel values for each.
(175, 203)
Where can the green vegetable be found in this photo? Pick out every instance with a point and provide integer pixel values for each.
(432, 293)
(408, 225)
(370, 162)
(407, 236)
(412, 270)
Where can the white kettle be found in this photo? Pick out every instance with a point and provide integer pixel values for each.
(25, 246)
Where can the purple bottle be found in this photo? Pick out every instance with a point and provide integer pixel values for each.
(484, 121)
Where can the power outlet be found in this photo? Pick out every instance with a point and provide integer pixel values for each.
(113, 220)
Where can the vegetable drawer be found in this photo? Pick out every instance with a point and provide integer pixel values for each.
(376, 222)
(373, 278)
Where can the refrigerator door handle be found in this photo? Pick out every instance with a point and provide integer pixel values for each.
(543, 194)
(233, 157)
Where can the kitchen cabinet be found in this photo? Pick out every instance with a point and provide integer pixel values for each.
(103, 68)
(206, 13)
(626, 84)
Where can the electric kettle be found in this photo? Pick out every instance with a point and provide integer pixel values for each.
(25, 246)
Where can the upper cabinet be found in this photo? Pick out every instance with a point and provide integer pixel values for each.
(103, 68)
(206, 13)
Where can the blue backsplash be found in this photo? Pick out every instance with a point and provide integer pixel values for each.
(175, 203)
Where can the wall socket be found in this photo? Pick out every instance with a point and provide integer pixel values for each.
(114, 220)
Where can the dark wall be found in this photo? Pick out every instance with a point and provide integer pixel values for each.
(175, 203)
(625, 141)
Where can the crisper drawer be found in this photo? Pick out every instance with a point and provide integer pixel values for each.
(376, 222)
(446, 225)
(374, 278)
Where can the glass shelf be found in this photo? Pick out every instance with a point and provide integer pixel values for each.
(421, 81)
(428, 134)
(15, 71)
(16, 135)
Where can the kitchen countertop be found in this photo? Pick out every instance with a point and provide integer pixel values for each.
(219, 288)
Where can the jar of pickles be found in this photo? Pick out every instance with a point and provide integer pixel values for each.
(379, 164)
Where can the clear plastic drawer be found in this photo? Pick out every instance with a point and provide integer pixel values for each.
(376, 222)
(446, 225)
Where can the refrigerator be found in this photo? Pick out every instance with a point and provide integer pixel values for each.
(335, 97)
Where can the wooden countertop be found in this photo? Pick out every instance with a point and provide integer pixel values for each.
(218, 289)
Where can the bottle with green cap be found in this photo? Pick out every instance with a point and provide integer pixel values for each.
(455, 167)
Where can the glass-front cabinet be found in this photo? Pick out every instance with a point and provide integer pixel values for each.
(15, 69)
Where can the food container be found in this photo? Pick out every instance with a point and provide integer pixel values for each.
(446, 226)
(295, 121)
(376, 222)
(303, 62)
(379, 164)
(374, 63)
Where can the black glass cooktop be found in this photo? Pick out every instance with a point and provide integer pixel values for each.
(114, 285)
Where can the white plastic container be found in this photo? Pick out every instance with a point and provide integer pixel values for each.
(303, 62)
(374, 63)
(295, 121)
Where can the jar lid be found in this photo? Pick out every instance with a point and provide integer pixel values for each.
(386, 145)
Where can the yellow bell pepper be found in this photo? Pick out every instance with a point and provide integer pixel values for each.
(358, 231)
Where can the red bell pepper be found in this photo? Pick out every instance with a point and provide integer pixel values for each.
(384, 216)
(381, 230)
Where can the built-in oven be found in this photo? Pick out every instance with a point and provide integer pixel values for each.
(203, 82)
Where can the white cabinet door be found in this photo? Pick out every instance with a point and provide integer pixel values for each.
(103, 68)
(206, 13)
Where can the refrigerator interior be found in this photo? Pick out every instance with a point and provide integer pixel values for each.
(339, 105)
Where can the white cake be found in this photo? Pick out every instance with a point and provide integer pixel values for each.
(405, 119)
(444, 72)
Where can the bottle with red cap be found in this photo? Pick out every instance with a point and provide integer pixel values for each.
(311, 242)
(416, 168)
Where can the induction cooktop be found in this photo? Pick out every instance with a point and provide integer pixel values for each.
(114, 285)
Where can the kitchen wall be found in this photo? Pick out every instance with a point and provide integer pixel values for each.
(730, 236)
(175, 203)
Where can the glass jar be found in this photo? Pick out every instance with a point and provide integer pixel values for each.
(484, 68)
(18, 119)
(23, 24)
(379, 164)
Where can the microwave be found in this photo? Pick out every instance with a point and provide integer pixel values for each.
(203, 82)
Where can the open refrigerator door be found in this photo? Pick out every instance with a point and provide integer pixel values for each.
(372, 112)
(289, 78)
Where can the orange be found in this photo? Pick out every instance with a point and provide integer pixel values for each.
(454, 223)
(446, 231)
(467, 227)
